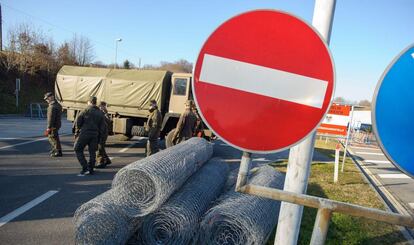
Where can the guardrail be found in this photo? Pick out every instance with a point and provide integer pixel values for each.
(38, 110)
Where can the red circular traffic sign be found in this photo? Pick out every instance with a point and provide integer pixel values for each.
(263, 81)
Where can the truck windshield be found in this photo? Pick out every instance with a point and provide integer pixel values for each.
(180, 86)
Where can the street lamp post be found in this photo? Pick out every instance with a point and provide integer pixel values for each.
(116, 50)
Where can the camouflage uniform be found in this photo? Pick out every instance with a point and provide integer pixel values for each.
(153, 127)
(101, 156)
(185, 126)
(54, 114)
(89, 129)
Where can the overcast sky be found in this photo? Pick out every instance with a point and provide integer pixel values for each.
(366, 34)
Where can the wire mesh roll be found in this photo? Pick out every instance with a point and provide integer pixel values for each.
(241, 218)
(146, 184)
(177, 221)
(101, 221)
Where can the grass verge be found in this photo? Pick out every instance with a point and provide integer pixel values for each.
(352, 188)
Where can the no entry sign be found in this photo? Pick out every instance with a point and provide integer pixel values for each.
(393, 113)
(263, 81)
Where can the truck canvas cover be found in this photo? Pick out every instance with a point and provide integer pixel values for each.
(127, 92)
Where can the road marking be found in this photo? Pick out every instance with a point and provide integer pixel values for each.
(23, 143)
(264, 81)
(369, 153)
(394, 176)
(27, 142)
(364, 148)
(10, 216)
(129, 146)
(377, 161)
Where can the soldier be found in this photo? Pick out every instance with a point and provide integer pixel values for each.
(186, 124)
(153, 127)
(54, 113)
(199, 127)
(89, 129)
(101, 156)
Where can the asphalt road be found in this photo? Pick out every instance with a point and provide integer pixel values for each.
(397, 186)
(49, 191)
(27, 172)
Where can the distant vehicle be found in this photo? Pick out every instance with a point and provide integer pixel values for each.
(127, 93)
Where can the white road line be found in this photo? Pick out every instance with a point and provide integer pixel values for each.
(129, 146)
(364, 148)
(369, 153)
(10, 216)
(23, 143)
(27, 142)
(394, 176)
(262, 80)
(377, 161)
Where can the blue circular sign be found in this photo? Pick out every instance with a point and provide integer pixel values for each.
(393, 111)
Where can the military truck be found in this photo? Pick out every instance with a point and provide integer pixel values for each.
(127, 93)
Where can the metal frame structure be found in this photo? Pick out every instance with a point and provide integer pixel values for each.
(325, 206)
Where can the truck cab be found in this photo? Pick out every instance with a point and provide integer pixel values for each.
(180, 93)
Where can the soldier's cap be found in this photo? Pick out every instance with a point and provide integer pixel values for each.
(102, 103)
(47, 95)
(93, 100)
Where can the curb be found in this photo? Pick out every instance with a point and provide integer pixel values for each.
(391, 203)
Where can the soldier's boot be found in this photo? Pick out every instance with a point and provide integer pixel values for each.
(56, 154)
(91, 166)
(108, 161)
(100, 165)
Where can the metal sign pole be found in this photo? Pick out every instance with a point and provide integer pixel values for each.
(17, 92)
(300, 156)
(347, 138)
(296, 181)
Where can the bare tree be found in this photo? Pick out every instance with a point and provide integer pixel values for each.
(365, 103)
(81, 49)
(64, 56)
(341, 100)
(177, 66)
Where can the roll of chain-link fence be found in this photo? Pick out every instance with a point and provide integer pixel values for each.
(177, 221)
(241, 218)
(101, 221)
(146, 184)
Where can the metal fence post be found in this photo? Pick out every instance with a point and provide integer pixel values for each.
(347, 138)
(243, 170)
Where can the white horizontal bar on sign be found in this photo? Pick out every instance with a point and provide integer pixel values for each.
(263, 81)
(394, 176)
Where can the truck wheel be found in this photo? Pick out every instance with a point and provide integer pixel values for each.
(169, 139)
(138, 131)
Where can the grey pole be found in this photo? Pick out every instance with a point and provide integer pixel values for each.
(300, 156)
(116, 51)
(347, 138)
